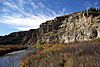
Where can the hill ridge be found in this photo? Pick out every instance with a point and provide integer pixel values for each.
(78, 26)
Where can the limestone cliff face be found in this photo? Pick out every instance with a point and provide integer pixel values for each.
(64, 29)
(71, 28)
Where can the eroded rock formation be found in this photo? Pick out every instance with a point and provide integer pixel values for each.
(71, 28)
(74, 27)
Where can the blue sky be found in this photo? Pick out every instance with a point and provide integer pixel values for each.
(20, 15)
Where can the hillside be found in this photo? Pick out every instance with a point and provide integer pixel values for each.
(82, 54)
(18, 38)
(71, 40)
(67, 41)
(79, 26)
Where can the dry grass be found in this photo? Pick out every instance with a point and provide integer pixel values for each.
(9, 48)
(84, 54)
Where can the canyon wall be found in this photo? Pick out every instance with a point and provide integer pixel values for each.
(74, 27)
(71, 28)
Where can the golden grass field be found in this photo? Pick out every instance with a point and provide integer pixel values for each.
(80, 54)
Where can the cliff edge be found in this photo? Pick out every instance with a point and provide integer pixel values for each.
(79, 26)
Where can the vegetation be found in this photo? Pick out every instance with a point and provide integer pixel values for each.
(92, 10)
(80, 54)
(9, 48)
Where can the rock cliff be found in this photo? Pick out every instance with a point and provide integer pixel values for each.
(71, 28)
(79, 26)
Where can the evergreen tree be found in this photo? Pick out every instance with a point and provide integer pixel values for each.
(91, 9)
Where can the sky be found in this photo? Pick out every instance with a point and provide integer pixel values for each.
(22, 15)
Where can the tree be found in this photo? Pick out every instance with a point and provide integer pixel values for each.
(91, 9)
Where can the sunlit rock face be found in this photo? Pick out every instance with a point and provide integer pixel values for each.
(71, 28)
(74, 27)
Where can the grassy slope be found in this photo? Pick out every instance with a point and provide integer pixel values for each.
(84, 54)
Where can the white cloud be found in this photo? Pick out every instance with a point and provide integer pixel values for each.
(91, 4)
(23, 20)
(41, 5)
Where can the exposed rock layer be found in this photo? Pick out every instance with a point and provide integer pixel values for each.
(71, 28)
(64, 29)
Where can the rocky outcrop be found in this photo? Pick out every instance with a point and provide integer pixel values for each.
(79, 26)
(71, 28)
